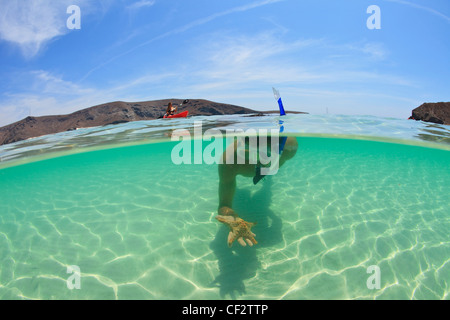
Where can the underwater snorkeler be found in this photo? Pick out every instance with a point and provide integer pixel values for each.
(240, 229)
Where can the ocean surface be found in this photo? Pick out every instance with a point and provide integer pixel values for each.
(360, 212)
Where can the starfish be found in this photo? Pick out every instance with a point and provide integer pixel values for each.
(239, 229)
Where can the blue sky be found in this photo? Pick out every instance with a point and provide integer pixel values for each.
(318, 53)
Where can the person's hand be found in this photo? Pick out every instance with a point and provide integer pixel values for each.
(227, 211)
(240, 230)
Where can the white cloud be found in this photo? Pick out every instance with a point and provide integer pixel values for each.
(182, 29)
(241, 69)
(47, 83)
(30, 24)
(241, 62)
(141, 4)
(50, 94)
(417, 6)
(251, 60)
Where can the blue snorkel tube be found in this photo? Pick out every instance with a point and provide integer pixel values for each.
(280, 103)
(258, 176)
(282, 113)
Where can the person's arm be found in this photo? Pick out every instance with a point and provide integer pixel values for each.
(167, 111)
(227, 188)
(239, 228)
(227, 182)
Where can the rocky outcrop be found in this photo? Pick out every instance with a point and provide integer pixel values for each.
(110, 113)
(433, 112)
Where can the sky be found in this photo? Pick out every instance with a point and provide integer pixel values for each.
(320, 54)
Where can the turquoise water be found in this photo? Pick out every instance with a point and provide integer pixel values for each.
(140, 227)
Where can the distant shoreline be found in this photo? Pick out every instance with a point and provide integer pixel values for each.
(115, 113)
(122, 112)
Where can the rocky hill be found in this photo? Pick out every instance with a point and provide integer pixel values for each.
(110, 113)
(438, 112)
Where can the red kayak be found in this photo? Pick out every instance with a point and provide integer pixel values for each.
(179, 115)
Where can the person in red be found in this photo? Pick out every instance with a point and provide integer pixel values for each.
(170, 111)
